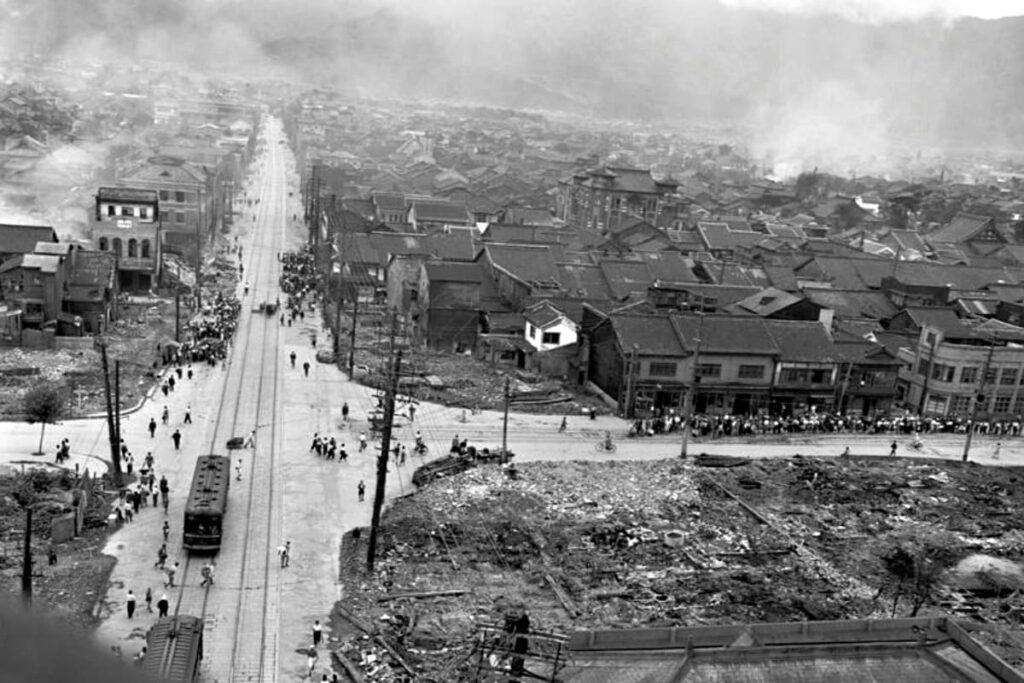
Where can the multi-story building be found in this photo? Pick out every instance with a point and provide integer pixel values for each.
(127, 224)
(186, 197)
(602, 198)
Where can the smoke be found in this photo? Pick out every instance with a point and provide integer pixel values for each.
(887, 11)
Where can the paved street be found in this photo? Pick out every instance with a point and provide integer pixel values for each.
(259, 613)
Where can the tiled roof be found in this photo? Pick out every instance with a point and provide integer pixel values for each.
(853, 303)
(650, 334)
(725, 334)
(126, 194)
(542, 314)
(963, 227)
(453, 212)
(22, 239)
(631, 180)
(799, 340)
(768, 301)
(532, 264)
(583, 280)
(625, 277)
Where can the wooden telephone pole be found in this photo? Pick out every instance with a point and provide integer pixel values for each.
(115, 447)
(385, 451)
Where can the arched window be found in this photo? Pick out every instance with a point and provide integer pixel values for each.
(117, 247)
(145, 248)
(104, 245)
(133, 248)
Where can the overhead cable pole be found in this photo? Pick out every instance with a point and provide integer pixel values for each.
(691, 391)
(115, 452)
(504, 423)
(352, 335)
(977, 400)
(382, 458)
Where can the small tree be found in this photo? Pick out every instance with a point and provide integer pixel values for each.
(44, 404)
(913, 561)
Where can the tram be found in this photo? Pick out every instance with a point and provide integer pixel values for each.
(174, 648)
(207, 503)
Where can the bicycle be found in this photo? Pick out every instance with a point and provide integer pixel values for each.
(605, 446)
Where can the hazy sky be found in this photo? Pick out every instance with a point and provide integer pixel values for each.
(889, 10)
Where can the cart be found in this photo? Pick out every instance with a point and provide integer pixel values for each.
(235, 442)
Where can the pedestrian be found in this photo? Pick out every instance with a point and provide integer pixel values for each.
(344, 411)
(165, 389)
(207, 574)
(238, 470)
(148, 460)
(129, 602)
(129, 463)
(171, 571)
(412, 412)
(152, 427)
(166, 416)
(996, 451)
(189, 373)
(149, 599)
(161, 554)
(179, 371)
(188, 414)
(285, 552)
(401, 455)
(292, 356)
(315, 443)
(156, 494)
(162, 605)
(362, 490)
(362, 441)
(311, 662)
(167, 530)
(318, 632)
(892, 448)
(166, 502)
(170, 382)
(51, 555)
(305, 368)
(176, 437)
(251, 441)
(565, 423)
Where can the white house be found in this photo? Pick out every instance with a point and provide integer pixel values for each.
(548, 328)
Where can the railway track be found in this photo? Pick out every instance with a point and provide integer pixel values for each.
(245, 599)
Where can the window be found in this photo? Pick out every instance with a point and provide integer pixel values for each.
(145, 249)
(968, 375)
(1018, 405)
(922, 366)
(943, 373)
(662, 370)
(751, 372)
(709, 370)
(164, 195)
(143, 212)
(531, 330)
(1009, 376)
(128, 211)
(117, 246)
(1002, 404)
(551, 338)
(990, 375)
(961, 404)
(179, 197)
(179, 216)
(414, 295)
(133, 248)
(104, 245)
(111, 210)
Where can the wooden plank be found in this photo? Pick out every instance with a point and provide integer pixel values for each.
(420, 596)
(567, 604)
(354, 620)
(397, 657)
(348, 666)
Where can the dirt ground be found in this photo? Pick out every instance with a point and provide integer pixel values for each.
(616, 545)
(71, 588)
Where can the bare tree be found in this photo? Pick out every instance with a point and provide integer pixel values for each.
(912, 561)
(44, 404)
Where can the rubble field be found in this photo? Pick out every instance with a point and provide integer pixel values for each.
(580, 545)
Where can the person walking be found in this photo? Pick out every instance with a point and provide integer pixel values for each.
(251, 441)
(344, 411)
(318, 632)
(165, 417)
(892, 448)
(162, 605)
(412, 412)
(362, 441)
(171, 571)
(188, 415)
(311, 658)
(285, 552)
(129, 603)
(292, 356)
(167, 530)
(565, 424)
(149, 599)
(361, 489)
(152, 427)
(176, 437)
(997, 450)
(161, 555)
(207, 574)
(305, 367)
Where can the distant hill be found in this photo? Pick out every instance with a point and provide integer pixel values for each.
(794, 78)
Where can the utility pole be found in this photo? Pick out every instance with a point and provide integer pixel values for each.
(199, 249)
(978, 398)
(627, 408)
(504, 423)
(115, 451)
(927, 374)
(26, 558)
(117, 402)
(177, 314)
(691, 391)
(382, 458)
(352, 335)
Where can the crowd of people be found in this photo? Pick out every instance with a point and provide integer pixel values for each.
(717, 426)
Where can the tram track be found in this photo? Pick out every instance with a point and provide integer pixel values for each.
(252, 657)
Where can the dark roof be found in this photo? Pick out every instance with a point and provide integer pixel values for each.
(867, 273)
(532, 264)
(963, 227)
(21, 239)
(725, 334)
(625, 277)
(853, 303)
(542, 314)
(444, 271)
(389, 201)
(454, 212)
(631, 180)
(458, 246)
(652, 335)
(584, 281)
(801, 340)
(127, 194)
(719, 236)
(768, 301)
(943, 319)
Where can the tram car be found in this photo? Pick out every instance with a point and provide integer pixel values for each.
(174, 649)
(207, 503)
